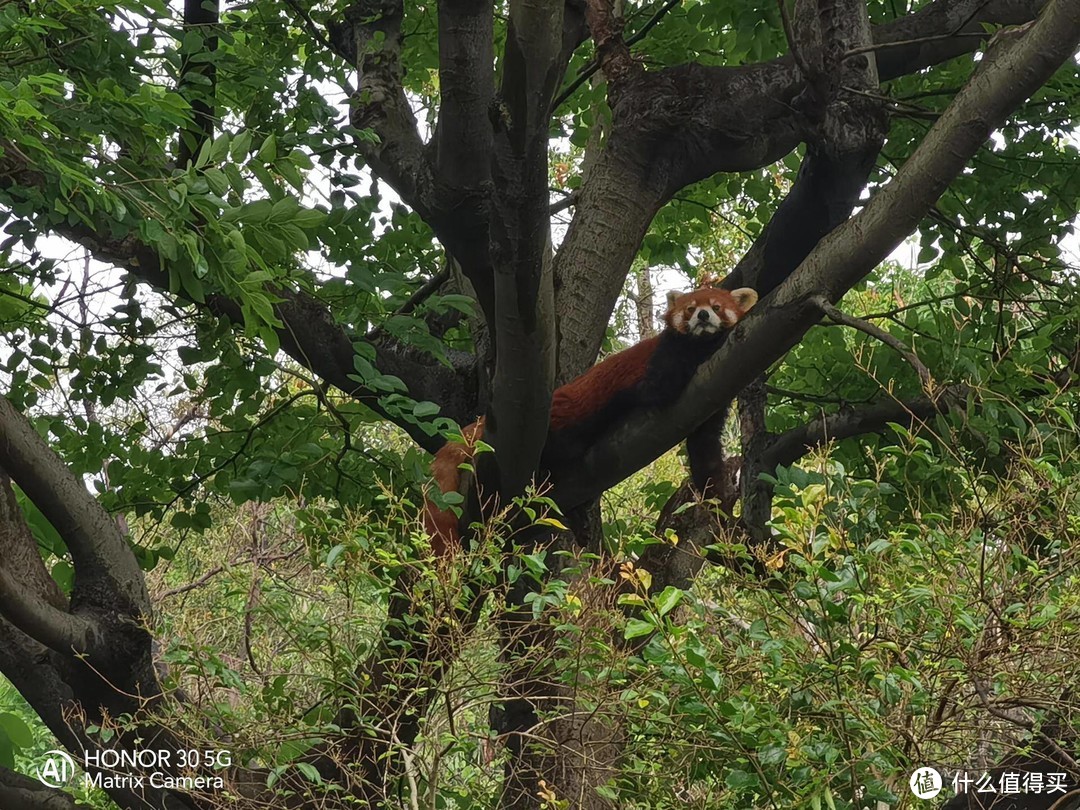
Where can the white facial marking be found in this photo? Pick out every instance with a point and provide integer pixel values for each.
(703, 326)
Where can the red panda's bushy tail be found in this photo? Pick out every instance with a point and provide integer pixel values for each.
(442, 524)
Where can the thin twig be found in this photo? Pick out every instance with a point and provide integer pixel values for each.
(312, 27)
(316, 34)
(880, 334)
(594, 65)
(895, 106)
(1024, 723)
(213, 572)
(569, 201)
(789, 33)
(956, 32)
(422, 293)
(877, 46)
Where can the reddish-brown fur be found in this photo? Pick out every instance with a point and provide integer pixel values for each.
(442, 524)
(585, 395)
(580, 399)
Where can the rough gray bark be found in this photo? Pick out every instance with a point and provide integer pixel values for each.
(87, 661)
(23, 793)
(677, 125)
(90, 658)
(1003, 80)
(488, 205)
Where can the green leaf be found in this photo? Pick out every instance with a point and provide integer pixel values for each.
(667, 600)
(308, 218)
(291, 174)
(268, 151)
(16, 731)
(241, 145)
(334, 554)
(638, 627)
(219, 150)
(425, 410)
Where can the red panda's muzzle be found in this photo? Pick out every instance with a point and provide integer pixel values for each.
(704, 322)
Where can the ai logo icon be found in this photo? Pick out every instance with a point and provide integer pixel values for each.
(57, 769)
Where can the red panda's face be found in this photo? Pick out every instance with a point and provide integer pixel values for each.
(707, 311)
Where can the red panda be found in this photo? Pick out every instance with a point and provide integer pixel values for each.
(649, 374)
(442, 524)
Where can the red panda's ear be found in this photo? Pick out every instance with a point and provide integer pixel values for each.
(672, 297)
(744, 297)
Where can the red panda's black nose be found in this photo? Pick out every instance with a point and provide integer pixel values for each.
(703, 315)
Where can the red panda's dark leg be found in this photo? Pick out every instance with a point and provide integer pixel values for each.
(673, 365)
(705, 454)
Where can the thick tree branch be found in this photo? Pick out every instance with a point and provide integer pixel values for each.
(592, 67)
(370, 30)
(846, 132)
(944, 30)
(102, 557)
(788, 447)
(24, 793)
(461, 150)
(606, 26)
(198, 79)
(466, 91)
(44, 623)
(841, 152)
(845, 137)
(541, 36)
(29, 598)
(1002, 81)
(754, 437)
(613, 213)
(19, 552)
(804, 45)
(697, 140)
(86, 669)
(309, 333)
(454, 205)
(675, 126)
(311, 336)
(524, 325)
(453, 197)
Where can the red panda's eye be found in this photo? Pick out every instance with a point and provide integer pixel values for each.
(716, 308)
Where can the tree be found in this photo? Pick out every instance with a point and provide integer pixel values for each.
(216, 163)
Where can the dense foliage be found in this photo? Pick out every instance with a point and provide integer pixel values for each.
(238, 307)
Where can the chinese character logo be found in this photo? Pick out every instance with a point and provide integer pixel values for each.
(925, 783)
